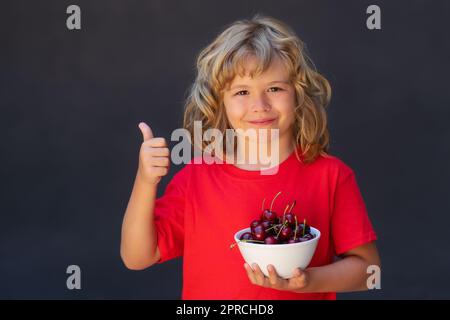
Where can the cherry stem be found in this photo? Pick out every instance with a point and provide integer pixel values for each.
(234, 244)
(272, 227)
(293, 205)
(304, 227)
(284, 213)
(296, 226)
(281, 228)
(258, 241)
(262, 207)
(274, 200)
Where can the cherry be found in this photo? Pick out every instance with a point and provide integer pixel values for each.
(267, 224)
(271, 240)
(289, 218)
(294, 240)
(269, 215)
(305, 227)
(259, 233)
(246, 236)
(254, 224)
(286, 233)
(268, 227)
(299, 231)
(308, 236)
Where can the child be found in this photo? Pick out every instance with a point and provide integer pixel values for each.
(254, 75)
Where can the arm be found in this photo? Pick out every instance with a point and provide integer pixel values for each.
(344, 275)
(347, 274)
(138, 247)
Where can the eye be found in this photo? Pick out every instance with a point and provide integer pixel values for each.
(278, 89)
(238, 93)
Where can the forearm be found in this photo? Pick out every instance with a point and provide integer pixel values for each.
(139, 242)
(347, 274)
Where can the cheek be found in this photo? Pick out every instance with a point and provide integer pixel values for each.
(234, 111)
(286, 107)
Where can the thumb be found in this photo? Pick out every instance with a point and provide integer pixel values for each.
(146, 131)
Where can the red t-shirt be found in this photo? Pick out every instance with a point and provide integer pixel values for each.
(205, 204)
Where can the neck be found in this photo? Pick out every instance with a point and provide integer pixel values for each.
(246, 156)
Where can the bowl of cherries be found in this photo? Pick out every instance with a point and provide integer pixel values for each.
(282, 241)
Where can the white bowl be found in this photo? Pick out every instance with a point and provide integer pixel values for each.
(284, 257)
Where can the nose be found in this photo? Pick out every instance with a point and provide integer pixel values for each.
(260, 104)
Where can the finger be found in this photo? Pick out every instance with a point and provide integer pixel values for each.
(160, 161)
(298, 280)
(273, 276)
(260, 277)
(159, 152)
(161, 171)
(156, 143)
(250, 273)
(147, 133)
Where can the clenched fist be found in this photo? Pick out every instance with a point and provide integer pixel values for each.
(154, 156)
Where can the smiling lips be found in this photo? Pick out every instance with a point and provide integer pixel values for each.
(262, 121)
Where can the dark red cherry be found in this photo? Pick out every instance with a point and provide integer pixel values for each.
(246, 236)
(269, 216)
(259, 233)
(299, 231)
(286, 233)
(307, 229)
(267, 224)
(289, 218)
(268, 227)
(271, 240)
(308, 236)
(254, 224)
(294, 240)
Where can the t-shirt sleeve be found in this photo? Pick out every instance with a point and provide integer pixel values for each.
(169, 217)
(350, 224)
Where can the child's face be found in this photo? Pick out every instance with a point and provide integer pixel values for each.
(248, 100)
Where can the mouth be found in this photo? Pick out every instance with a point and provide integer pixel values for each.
(262, 122)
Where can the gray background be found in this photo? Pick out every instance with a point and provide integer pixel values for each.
(71, 101)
